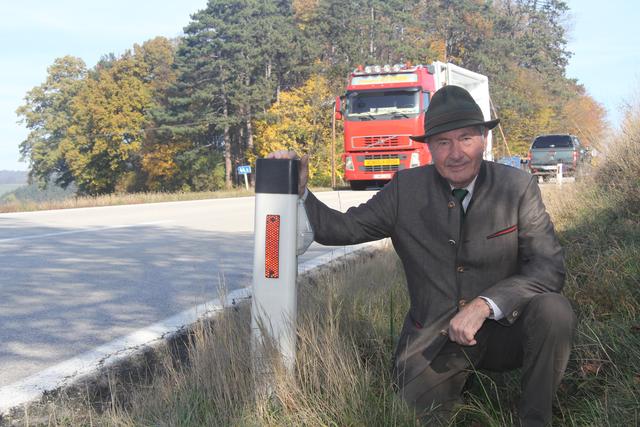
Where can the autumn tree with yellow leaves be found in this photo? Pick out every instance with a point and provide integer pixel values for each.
(91, 127)
(47, 115)
(584, 117)
(103, 143)
(301, 120)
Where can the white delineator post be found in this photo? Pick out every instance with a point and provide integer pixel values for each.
(559, 174)
(273, 308)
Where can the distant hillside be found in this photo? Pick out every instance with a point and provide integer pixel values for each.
(7, 188)
(32, 193)
(14, 177)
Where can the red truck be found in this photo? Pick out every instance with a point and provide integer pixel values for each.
(384, 105)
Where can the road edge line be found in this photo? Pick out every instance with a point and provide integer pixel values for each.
(75, 369)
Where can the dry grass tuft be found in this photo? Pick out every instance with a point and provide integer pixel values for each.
(117, 199)
(123, 199)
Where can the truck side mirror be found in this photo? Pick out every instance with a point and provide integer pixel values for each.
(426, 96)
(338, 108)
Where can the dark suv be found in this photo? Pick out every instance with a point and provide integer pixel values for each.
(547, 151)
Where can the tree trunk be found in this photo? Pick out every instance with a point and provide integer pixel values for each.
(250, 144)
(227, 145)
(445, 59)
(241, 146)
(247, 120)
(371, 29)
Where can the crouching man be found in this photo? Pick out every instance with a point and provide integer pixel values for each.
(483, 264)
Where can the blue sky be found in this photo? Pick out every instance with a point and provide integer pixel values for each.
(605, 37)
(33, 33)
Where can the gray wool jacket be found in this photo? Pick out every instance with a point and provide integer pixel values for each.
(505, 249)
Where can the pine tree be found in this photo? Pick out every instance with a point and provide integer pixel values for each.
(234, 58)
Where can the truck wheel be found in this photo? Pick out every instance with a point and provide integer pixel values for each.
(358, 185)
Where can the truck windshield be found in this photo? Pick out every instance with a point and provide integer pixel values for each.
(383, 105)
(552, 141)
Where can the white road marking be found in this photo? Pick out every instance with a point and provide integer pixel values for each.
(84, 230)
(335, 254)
(31, 388)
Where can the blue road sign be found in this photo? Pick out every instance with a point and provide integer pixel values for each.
(244, 170)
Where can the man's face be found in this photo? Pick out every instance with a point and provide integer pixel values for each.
(457, 154)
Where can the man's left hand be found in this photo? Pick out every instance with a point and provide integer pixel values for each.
(465, 324)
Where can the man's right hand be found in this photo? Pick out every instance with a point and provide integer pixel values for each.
(304, 166)
(464, 325)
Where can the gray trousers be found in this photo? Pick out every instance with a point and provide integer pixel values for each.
(539, 342)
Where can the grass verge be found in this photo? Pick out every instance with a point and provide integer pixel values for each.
(116, 199)
(349, 317)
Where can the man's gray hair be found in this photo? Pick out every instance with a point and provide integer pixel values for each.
(480, 128)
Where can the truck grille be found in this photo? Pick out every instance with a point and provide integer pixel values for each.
(376, 141)
(393, 161)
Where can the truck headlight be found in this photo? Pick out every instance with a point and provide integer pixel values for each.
(415, 160)
(348, 164)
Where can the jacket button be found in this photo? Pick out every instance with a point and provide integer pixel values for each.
(515, 313)
(452, 242)
(460, 269)
(444, 333)
(462, 303)
(451, 205)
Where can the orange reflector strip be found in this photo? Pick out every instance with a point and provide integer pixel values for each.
(272, 248)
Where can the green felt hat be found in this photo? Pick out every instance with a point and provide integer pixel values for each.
(452, 107)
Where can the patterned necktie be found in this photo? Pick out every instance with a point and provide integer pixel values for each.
(460, 194)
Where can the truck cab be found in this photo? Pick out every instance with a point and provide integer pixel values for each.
(383, 106)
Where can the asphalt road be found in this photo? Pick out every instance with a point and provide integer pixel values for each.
(72, 280)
